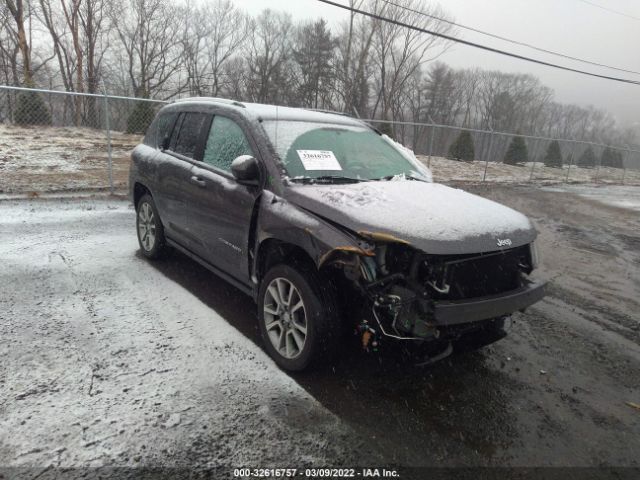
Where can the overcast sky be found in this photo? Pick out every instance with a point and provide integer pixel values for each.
(572, 27)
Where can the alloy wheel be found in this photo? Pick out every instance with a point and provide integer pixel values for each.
(285, 317)
(146, 226)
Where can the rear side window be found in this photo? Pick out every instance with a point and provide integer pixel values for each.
(226, 142)
(185, 141)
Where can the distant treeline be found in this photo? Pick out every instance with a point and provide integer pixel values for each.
(168, 48)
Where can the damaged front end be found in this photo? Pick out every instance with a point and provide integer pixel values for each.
(413, 296)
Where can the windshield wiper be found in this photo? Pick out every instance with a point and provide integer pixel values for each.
(327, 179)
(407, 176)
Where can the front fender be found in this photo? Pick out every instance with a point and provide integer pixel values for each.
(320, 239)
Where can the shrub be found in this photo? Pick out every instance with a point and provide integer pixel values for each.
(553, 158)
(140, 118)
(462, 148)
(517, 152)
(31, 110)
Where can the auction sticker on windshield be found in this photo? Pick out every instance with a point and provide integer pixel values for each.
(318, 160)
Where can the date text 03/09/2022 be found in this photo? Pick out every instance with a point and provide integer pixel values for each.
(315, 473)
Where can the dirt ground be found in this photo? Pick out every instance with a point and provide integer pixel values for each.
(561, 389)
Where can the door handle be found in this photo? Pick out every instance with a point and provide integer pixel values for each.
(198, 181)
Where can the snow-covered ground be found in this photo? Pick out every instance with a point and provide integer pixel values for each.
(614, 195)
(40, 159)
(445, 170)
(46, 159)
(104, 360)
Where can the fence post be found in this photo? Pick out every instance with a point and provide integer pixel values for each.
(433, 133)
(486, 161)
(109, 152)
(573, 152)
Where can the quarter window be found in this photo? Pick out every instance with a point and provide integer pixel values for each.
(161, 126)
(191, 129)
(226, 142)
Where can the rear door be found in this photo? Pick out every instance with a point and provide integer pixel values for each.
(175, 182)
(221, 211)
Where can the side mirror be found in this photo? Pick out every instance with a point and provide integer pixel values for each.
(165, 143)
(246, 170)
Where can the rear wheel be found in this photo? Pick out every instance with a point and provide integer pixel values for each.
(149, 227)
(298, 317)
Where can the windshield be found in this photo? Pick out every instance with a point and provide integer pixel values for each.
(319, 151)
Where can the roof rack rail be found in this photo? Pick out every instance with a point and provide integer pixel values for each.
(323, 110)
(225, 101)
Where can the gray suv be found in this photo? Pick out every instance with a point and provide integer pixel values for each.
(332, 228)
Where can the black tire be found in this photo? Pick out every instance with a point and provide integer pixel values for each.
(155, 248)
(322, 317)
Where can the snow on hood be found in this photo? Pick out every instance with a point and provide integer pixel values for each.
(432, 217)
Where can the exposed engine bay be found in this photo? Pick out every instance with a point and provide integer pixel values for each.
(403, 287)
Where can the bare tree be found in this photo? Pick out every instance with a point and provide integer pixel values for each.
(214, 33)
(17, 10)
(9, 47)
(353, 62)
(147, 31)
(400, 51)
(268, 53)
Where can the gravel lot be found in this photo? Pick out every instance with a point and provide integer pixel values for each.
(110, 360)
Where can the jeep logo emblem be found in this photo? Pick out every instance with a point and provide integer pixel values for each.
(504, 242)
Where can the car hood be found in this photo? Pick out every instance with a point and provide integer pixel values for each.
(433, 218)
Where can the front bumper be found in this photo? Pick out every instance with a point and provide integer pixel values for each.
(492, 306)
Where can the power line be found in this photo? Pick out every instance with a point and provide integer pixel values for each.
(515, 42)
(609, 9)
(477, 45)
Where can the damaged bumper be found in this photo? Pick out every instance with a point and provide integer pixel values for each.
(492, 306)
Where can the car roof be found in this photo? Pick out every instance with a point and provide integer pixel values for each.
(262, 111)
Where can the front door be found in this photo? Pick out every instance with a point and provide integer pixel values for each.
(222, 208)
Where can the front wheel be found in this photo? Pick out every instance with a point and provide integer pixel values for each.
(149, 228)
(298, 317)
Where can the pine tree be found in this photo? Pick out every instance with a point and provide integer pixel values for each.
(517, 152)
(587, 159)
(614, 159)
(611, 158)
(140, 118)
(313, 52)
(553, 157)
(31, 110)
(462, 148)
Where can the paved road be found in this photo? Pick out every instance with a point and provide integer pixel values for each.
(554, 392)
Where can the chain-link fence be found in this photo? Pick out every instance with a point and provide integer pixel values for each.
(466, 154)
(53, 141)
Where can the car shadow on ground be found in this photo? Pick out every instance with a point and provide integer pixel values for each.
(456, 410)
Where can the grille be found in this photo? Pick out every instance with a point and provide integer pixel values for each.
(487, 274)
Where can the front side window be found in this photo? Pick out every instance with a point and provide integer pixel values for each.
(226, 142)
(186, 142)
